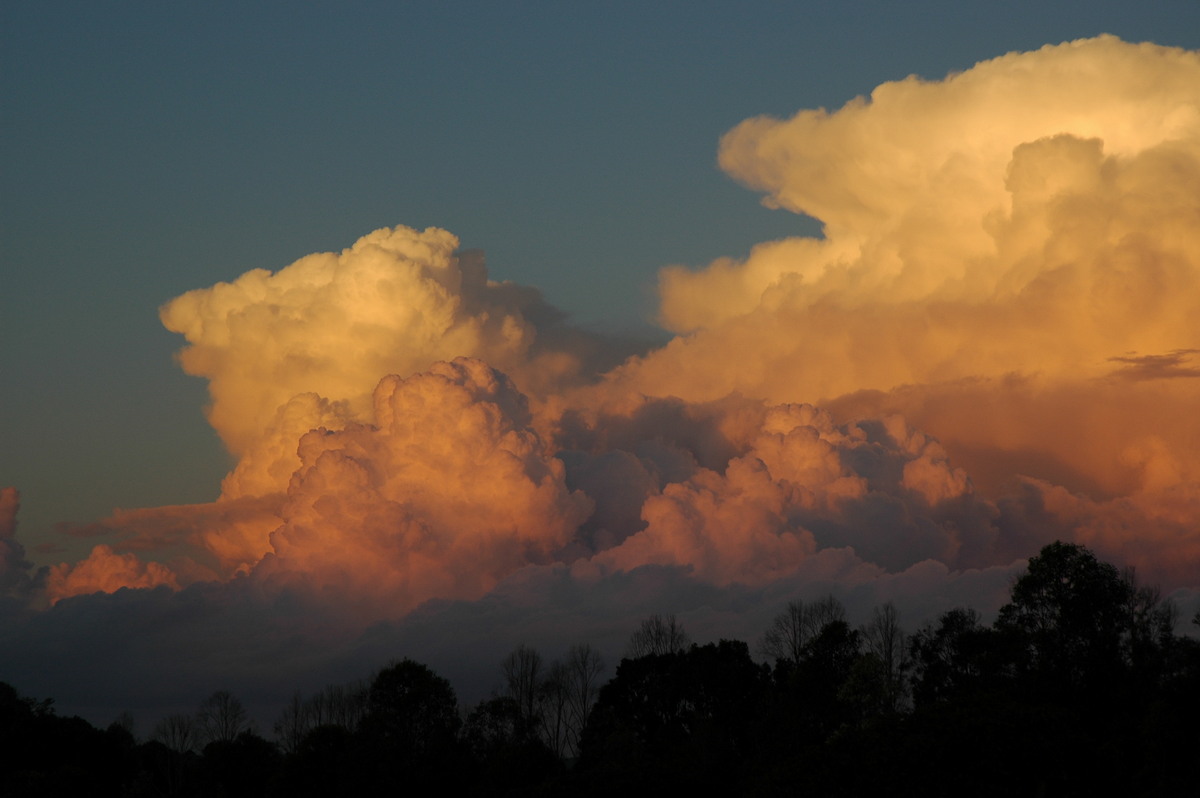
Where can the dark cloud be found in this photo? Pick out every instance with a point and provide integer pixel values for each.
(1171, 365)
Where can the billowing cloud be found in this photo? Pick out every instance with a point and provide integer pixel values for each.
(448, 490)
(992, 346)
(801, 483)
(105, 571)
(303, 347)
(1011, 260)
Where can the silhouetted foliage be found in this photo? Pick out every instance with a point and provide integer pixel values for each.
(48, 755)
(410, 731)
(679, 719)
(247, 765)
(955, 657)
(1070, 612)
(508, 758)
(1079, 688)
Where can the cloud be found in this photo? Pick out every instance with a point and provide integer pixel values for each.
(14, 568)
(106, 571)
(990, 348)
(446, 492)
(329, 326)
(994, 243)
(1157, 367)
(800, 483)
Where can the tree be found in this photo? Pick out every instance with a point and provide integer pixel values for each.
(1070, 613)
(658, 635)
(955, 657)
(177, 732)
(510, 760)
(1150, 628)
(684, 719)
(293, 724)
(411, 707)
(410, 731)
(583, 668)
(341, 704)
(797, 625)
(822, 673)
(553, 714)
(523, 674)
(886, 642)
(221, 718)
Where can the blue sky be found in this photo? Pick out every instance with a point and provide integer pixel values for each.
(152, 148)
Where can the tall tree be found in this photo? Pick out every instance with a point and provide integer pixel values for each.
(583, 668)
(886, 641)
(524, 672)
(1070, 613)
(411, 708)
(410, 732)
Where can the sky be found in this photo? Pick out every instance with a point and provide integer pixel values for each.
(754, 302)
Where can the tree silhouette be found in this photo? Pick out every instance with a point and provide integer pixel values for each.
(177, 732)
(410, 732)
(1078, 621)
(792, 629)
(583, 667)
(658, 635)
(509, 760)
(220, 719)
(887, 645)
(676, 721)
(954, 657)
(523, 673)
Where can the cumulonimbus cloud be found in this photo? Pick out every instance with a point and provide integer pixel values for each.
(1006, 286)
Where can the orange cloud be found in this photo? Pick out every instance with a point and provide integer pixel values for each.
(105, 571)
(1004, 250)
(449, 490)
(331, 324)
(999, 323)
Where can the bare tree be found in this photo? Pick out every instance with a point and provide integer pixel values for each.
(342, 705)
(221, 718)
(799, 623)
(583, 668)
(886, 640)
(177, 732)
(293, 724)
(788, 633)
(553, 701)
(522, 680)
(658, 635)
(553, 712)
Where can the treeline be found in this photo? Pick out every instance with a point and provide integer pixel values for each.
(1080, 687)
